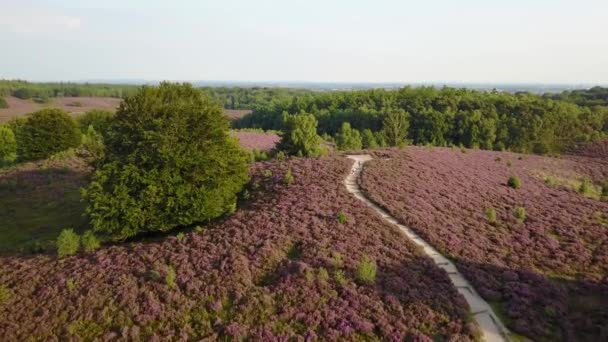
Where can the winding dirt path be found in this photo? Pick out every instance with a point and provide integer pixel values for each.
(491, 327)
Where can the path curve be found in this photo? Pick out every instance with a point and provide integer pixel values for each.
(491, 327)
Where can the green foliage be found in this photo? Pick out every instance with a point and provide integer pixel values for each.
(170, 277)
(169, 162)
(8, 146)
(70, 284)
(368, 139)
(340, 278)
(27, 90)
(90, 242)
(491, 215)
(514, 182)
(45, 133)
(520, 214)
(280, 156)
(86, 330)
(300, 136)
(5, 294)
(257, 155)
(3, 103)
(342, 218)
(93, 143)
(509, 163)
(323, 275)
(585, 187)
(395, 127)
(68, 243)
(366, 270)
(180, 236)
(267, 173)
(336, 260)
(98, 118)
(604, 193)
(348, 138)
(288, 178)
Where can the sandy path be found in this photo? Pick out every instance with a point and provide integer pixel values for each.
(491, 327)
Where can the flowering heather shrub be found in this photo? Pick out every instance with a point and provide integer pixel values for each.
(68, 243)
(219, 293)
(514, 182)
(366, 271)
(257, 141)
(558, 258)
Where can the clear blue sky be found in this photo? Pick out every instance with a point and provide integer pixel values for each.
(549, 41)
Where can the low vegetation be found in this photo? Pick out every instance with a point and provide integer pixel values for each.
(68, 243)
(45, 133)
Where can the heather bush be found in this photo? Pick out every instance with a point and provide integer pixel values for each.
(8, 146)
(514, 182)
(68, 243)
(45, 133)
(170, 277)
(90, 242)
(491, 215)
(169, 161)
(342, 218)
(348, 138)
(288, 178)
(366, 270)
(520, 214)
(5, 294)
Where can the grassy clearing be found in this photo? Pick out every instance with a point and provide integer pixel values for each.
(591, 190)
(37, 201)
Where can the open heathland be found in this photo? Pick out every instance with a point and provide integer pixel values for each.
(287, 264)
(538, 253)
(257, 140)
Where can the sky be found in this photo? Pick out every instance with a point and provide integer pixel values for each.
(514, 41)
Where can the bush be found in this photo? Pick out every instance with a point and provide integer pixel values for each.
(8, 146)
(348, 138)
(366, 271)
(520, 214)
(340, 278)
(98, 118)
(68, 243)
(288, 178)
(5, 294)
(491, 215)
(585, 187)
(300, 136)
(170, 277)
(90, 242)
(169, 161)
(45, 133)
(514, 182)
(604, 193)
(92, 142)
(3, 103)
(395, 127)
(342, 218)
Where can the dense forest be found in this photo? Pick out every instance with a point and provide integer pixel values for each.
(489, 120)
(29, 90)
(596, 96)
(249, 98)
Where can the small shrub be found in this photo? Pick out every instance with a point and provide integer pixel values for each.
(309, 275)
(498, 159)
(5, 294)
(90, 242)
(520, 214)
(75, 104)
(323, 275)
(585, 187)
(491, 215)
(366, 271)
(340, 278)
(342, 218)
(288, 179)
(170, 277)
(92, 142)
(514, 182)
(68, 243)
(336, 260)
(8, 145)
(604, 193)
(86, 330)
(267, 173)
(280, 156)
(198, 229)
(3, 103)
(180, 236)
(509, 164)
(70, 284)
(98, 118)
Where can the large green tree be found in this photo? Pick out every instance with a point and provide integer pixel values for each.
(300, 136)
(169, 162)
(395, 127)
(8, 145)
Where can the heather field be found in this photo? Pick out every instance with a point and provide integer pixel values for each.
(544, 267)
(283, 266)
(73, 105)
(260, 141)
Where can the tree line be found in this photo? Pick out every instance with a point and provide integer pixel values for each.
(490, 120)
(43, 91)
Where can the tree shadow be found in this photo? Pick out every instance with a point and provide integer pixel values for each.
(36, 204)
